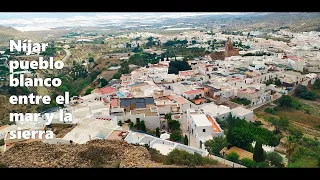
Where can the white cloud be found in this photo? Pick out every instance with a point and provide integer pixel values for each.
(44, 21)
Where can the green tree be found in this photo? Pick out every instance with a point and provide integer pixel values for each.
(88, 91)
(186, 140)
(304, 157)
(103, 82)
(229, 135)
(1, 142)
(316, 84)
(243, 101)
(63, 88)
(302, 92)
(142, 126)
(248, 163)
(306, 162)
(176, 136)
(168, 116)
(242, 137)
(158, 132)
(91, 59)
(262, 165)
(296, 133)
(184, 158)
(269, 110)
(137, 124)
(215, 145)
(128, 45)
(176, 66)
(277, 82)
(233, 156)
(173, 125)
(131, 125)
(94, 74)
(258, 153)
(275, 159)
(285, 101)
(283, 123)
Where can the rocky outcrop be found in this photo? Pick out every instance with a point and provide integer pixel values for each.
(96, 153)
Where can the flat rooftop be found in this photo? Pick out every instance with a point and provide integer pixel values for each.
(241, 111)
(163, 148)
(214, 109)
(200, 120)
(178, 99)
(145, 111)
(197, 91)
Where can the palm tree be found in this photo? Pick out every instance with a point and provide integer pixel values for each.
(290, 146)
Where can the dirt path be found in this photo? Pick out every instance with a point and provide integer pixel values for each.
(265, 124)
(306, 129)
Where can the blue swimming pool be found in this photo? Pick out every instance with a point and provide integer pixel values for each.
(120, 94)
(100, 136)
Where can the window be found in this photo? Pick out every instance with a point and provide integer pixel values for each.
(203, 130)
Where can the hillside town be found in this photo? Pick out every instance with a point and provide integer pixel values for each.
(227, 100)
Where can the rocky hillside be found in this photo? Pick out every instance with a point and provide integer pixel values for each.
(6, 108)
(96, 153)
(297, 21)
(9, 33)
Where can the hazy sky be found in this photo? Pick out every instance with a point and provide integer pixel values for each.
(72, 14)
(43, 21)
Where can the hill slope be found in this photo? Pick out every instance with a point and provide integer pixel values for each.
(6, 108)
(9, 33)
(276, 20)
(96, 153)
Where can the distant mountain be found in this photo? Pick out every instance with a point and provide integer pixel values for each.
(10, 33)
(276, 20)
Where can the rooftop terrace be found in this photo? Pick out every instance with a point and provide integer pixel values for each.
(145, 111)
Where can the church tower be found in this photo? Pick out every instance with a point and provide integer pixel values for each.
(229, 50)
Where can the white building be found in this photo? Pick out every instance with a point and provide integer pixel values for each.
(242, 113)
(91, 128)
(150, 116)
(202, 127)
(193, 94)
(221, 112)
(162, 145)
